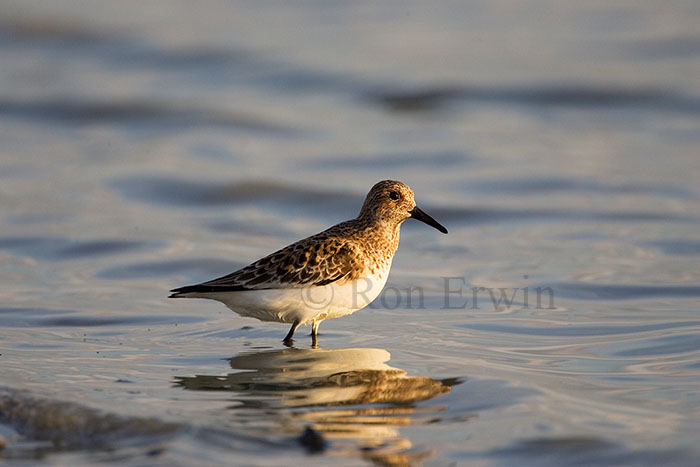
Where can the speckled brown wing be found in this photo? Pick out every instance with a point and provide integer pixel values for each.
(315, 261)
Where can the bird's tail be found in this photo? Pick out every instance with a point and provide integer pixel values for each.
(184, 292)
(201, 289)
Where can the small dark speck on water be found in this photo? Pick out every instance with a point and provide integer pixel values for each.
(156, 452)
(312, 440)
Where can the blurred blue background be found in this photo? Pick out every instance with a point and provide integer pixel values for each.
(146, 145)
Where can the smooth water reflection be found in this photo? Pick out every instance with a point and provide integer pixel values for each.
(352, 397)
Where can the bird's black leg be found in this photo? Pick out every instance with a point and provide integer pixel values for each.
(288, 340)
(314, 333)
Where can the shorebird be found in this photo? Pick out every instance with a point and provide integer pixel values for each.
(328, 275)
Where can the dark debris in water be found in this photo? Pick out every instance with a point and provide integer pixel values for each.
(312, 440)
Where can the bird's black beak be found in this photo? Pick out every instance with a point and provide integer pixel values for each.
(416, 213)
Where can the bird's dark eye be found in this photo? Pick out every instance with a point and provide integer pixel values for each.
(394, 195)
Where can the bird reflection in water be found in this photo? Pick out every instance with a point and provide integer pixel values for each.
(350, 396)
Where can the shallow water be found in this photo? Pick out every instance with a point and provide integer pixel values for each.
(149, 147)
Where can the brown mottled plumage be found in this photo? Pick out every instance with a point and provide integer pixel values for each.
(331, 263)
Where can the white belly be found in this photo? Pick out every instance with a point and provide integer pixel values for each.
(305, 304)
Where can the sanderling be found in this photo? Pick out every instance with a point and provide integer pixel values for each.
(328, 275)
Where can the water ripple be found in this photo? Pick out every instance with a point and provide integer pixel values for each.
(183, 192)
(472, 215)
(43, 317)
(60, 248)
(585, 291)
(587, 451)
(576, 330)
(383, 161)
(676, 344)
(138, 112)
(200, 267)
(583, 96)
(677, 247)
(538, 185)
